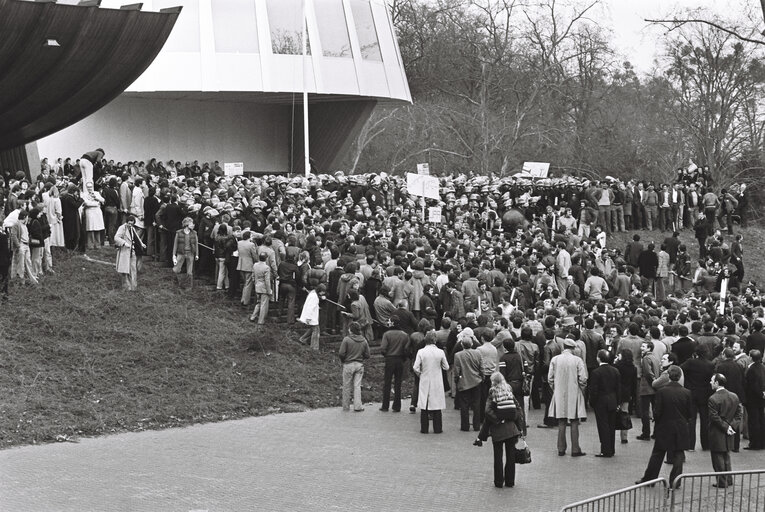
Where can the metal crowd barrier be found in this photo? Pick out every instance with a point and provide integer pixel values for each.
(736, 491)
(743, 491)
(648, 496)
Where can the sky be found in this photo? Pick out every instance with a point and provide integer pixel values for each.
(634, 38)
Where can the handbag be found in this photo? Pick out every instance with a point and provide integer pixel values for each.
(522, 452)
(527, 384)
(623, 421)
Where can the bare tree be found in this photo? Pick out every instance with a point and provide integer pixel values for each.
(748, 33)
(715, 76)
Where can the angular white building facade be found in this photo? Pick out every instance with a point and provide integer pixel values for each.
(228, 85)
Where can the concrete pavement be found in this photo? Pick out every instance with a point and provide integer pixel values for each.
(319, 460)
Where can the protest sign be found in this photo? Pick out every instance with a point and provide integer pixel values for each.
(536, 169)
(421, 185)
(233, 168)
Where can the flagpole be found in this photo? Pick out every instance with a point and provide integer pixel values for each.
(306, 150)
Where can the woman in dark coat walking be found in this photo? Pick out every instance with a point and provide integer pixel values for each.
(628, 373)
(506, 427)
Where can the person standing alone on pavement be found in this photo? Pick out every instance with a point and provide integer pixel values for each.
(429, 364)
(354, 349)
(651, 368)
(725, 415)
(568, 378)
(468, 378)
(605, 389)
(395, 346)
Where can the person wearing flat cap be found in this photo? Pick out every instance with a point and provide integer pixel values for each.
(567, 377)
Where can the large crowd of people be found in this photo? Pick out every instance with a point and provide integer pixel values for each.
(519, 286)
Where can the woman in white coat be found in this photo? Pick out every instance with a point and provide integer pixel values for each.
(94, 217)
(428, 365)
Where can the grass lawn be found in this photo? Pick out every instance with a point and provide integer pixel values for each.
(80, 357)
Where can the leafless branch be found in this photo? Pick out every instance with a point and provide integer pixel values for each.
(677, 23)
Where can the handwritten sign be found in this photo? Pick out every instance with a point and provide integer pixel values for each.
(536, 169)
(233, 168)
(423, 169)
(434, 214)
(421, 185)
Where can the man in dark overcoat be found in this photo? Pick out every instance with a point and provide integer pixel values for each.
(725, 415)
(605, 389)
(672, 410)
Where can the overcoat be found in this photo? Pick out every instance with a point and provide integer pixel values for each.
(724, 410)
(567, 377)
(672, 410)
(123, 239)
(94, 217)
(428, 364)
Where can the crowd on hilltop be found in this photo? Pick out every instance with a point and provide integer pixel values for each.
(521, 269)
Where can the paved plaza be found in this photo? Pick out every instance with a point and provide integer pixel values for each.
(314, 461)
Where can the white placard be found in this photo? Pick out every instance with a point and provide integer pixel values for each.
(536, 169)
(424, 186)
(423, 169)
(233, 168)
(723, 295)
(434, 214)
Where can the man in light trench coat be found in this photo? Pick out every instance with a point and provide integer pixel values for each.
(568, 378)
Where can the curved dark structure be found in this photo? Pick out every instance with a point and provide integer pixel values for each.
(61, 63)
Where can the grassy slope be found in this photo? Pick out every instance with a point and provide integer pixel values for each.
(80, 357)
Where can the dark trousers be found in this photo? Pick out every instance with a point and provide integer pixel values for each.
(702, 248)
(110, 221)
(233, 277)
(4, 277)
(547, 399)
(415, 391)
(469, 400)
(165, 246)
(756, 423)
(331, 323)
(394, 369)
(606, 422)
(504, 471)
(665, 219)
(646, 404)
(536, 391)
(720, 463)
(739, 268)
(656, 460)
(638, 216)
(287, 294)
(701, 409)
(710, 217)
(206, 265)
(425, 421)
(485, 386)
